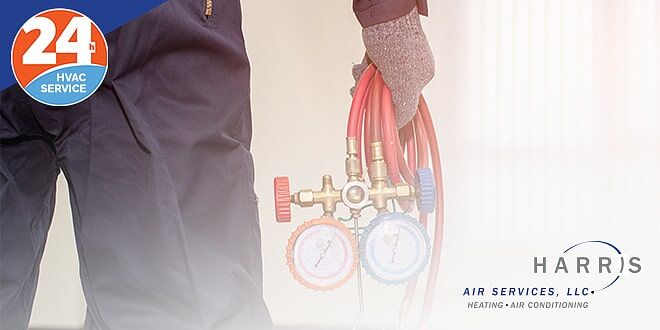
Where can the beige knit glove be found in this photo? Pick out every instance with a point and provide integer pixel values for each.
(402, 54)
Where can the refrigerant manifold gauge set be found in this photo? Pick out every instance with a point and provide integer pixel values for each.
(393, 247)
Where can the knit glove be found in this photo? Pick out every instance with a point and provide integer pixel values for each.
(402, 54)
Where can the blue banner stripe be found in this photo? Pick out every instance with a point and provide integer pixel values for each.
(108, 15)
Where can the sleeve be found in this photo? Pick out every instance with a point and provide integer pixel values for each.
(372, 12)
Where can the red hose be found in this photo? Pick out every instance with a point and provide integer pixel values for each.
(422, 142)
(411, 146)
(422, 161)
(438, 234)
(367, 132)
(404, 169)
(390, 138)
(357, 105)
(372, 116)
(362, 116)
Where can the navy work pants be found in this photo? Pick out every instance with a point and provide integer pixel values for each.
(160, 178)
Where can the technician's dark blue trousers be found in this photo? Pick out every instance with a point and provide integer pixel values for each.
(160, 178)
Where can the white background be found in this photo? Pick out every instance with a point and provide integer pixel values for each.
(548, 115)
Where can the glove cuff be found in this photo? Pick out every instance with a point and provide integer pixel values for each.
(402, 27)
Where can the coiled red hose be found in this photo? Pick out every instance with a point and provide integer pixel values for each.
(404, 150)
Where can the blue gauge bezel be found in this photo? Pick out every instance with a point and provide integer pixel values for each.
(376, 222)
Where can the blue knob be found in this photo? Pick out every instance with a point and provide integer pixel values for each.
(426, 196)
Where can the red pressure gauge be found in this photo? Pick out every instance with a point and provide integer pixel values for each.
(322, 254)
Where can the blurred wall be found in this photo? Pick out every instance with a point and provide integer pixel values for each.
(548, 116)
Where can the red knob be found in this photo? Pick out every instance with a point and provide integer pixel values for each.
(282, 199)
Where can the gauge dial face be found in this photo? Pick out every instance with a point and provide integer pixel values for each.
(394, 248)
(322, 254)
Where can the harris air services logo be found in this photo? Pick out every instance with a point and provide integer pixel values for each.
(596, 265)
(59, 57)
(564, 279)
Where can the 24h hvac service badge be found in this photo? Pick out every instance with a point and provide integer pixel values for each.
(59, 57)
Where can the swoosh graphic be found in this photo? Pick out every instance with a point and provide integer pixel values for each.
(603, 242)
(608, 244)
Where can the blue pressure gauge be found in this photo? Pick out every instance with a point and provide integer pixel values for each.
(394, 248)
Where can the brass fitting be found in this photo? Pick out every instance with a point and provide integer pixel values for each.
(352, 162)
(404, 190)
(381, 192)
(377, 168)
(356, 193)
(328, 197)
(304, 198)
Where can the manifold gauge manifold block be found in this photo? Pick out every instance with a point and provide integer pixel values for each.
(394, 248)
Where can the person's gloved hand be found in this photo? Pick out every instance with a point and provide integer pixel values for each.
(402, 54)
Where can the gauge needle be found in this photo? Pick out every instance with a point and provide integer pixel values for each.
(323, 252)
(396, 243)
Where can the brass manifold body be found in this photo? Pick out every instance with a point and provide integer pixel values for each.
(356, 194)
